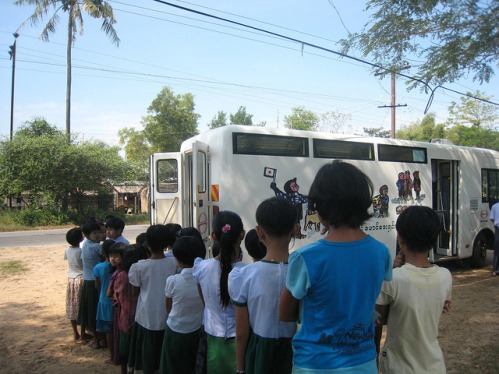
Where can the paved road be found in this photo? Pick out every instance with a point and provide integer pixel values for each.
(35, 238)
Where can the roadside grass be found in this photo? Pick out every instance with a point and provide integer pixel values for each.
(18, 220)
(12, 267)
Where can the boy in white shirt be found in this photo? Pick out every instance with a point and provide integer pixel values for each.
(185, 310)
(412, 302)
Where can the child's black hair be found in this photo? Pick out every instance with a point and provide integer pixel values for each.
(215, 249)
(117, 248)
(130, 256)
(106, 245)
(418, 227)
(74, 236)
(140, 239)
(173, 229)
(187, 248)
(115, 223)
(276, 216)
(227, 228)
(190, 231)
(256, 249)
(157, 237)
(90, 226)
(341, 194)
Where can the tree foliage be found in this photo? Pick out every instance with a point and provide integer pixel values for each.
(334, 122)
(219, 120)
(47, 167)
(455, 38)
(74, 9)
(473, 112)
(302, 119)
(425, 131)
(474, 136)
(377, 132)
(241, 117)
(171, 119)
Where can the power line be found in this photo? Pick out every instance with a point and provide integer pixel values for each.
(304, 43)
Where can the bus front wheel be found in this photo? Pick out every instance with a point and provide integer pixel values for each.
(479, 251)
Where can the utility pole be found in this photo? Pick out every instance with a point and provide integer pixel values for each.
(12, 54)
(393, 105)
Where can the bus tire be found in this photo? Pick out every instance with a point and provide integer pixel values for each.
(477, 259)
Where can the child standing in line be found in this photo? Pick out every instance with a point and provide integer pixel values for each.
(90, 256)
(334, 301)
(104, 318)
(211, 275)
(185, 310)
(150, 319)
(263, 343)
(114, 230)
(116, 259)
(412, 302)
(125, 303)
(256, 249)
(75, 281)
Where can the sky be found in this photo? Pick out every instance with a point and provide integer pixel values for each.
(223, 65)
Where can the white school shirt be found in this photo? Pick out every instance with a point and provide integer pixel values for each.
(187, 311)
(219, 322)
(416, 297)
(259, 286)
(150, 275)
(75, 264)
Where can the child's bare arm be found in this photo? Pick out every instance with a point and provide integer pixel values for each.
(242, 336)
(288, 307)
(168, 303)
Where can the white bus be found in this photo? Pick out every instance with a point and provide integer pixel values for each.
(236, 167)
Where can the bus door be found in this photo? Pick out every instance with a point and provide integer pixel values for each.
(445, 202)
(198, 176)
(165, 196)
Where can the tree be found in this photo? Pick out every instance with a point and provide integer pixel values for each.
(171, 119)
(73, 8)
(52, 170)
(454, 38)
(241, 117)
(473, 112)
(474, 136)
(377, 132)
(38, 126)
(334, 121)
(424, 131)
(137, 151)
(301, 119)
(219, 120)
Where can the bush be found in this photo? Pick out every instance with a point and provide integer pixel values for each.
(40, 217)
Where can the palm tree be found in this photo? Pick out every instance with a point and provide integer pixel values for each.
(95, 8)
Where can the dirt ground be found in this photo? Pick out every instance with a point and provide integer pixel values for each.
(36, 337)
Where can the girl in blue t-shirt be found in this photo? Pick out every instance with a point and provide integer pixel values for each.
(332, 284)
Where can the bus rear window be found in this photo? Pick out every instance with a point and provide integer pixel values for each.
(269, 145)
(167, 176)
(343, 149)
(402, 154)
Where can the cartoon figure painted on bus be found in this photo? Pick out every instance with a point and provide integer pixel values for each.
(291, 193)
(416, 183)
(400, 186)
(408, 186)
(381, 202)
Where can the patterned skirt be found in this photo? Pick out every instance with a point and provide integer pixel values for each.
(73, 297)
